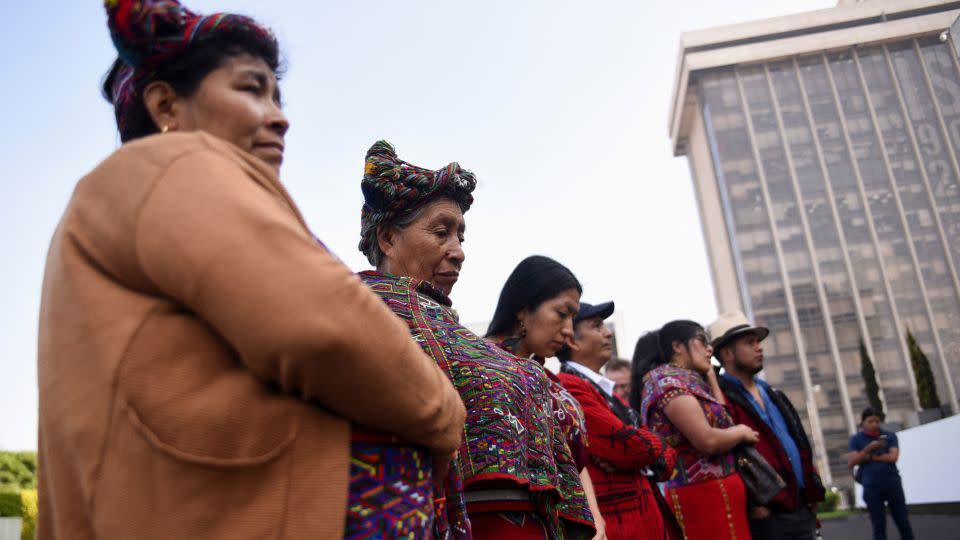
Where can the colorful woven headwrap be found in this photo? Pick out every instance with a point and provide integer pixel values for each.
(150, 33)
(392, 187)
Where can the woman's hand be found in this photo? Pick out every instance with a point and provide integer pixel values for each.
(605, 466)
(601, 528)
(746, 434)
(441, 465)
(711, 374)
(874, 445)
(759, 512)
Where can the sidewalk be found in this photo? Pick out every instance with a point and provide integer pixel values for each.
(925, 527)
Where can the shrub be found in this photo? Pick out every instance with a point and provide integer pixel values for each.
(18, 470)
(870, 381)
(28, 507)
(926, 384)
(10, 504)
(830, 503)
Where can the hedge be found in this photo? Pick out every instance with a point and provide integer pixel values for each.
(11, 504)
(830, 503)
(18, 470)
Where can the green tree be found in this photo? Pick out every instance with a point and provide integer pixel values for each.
(926, 384)
(870, 381)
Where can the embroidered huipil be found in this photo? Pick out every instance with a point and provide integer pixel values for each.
(569, 414)
(566, 408)
(512, 432)
(660, 386)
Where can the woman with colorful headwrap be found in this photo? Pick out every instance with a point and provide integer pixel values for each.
(514, 471)
(201, 356)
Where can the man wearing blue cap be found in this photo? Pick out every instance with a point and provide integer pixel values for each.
(620, 450)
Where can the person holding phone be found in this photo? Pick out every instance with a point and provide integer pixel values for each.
(875, 452)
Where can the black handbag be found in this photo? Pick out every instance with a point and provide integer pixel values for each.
(761, 480)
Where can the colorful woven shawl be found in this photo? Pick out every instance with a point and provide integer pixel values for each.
(511, 432)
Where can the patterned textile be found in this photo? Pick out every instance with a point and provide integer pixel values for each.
(391, 186)
(660, 386)
(150, 33)
(569, 415)
(391, 492)
(510, 433)
(566, 408)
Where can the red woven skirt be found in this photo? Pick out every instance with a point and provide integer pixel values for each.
(628, 520)
(712, 510)
(507, 525)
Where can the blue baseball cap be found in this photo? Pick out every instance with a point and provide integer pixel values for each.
(589, 311)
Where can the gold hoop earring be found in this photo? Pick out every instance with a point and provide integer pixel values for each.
(165, 129)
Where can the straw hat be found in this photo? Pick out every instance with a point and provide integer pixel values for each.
(732, 325)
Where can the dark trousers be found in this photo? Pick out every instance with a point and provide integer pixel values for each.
(799, 525)
(877, 498)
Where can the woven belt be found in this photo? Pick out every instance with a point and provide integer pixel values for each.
(491, 495)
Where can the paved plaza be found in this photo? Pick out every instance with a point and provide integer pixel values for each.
(925, 527)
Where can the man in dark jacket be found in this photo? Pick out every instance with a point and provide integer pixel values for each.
(783, 443)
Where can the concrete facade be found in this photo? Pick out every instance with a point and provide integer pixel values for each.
(824, 153)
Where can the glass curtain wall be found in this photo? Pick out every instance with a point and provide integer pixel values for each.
(839, 179)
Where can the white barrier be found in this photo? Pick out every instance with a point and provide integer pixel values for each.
(928, 463)
(10, 528)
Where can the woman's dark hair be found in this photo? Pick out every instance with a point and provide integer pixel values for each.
(534, 281)
(188, 70)
(655, 348)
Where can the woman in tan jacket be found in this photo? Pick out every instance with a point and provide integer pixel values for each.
(201, 356)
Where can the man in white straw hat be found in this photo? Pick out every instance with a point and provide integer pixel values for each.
(737, 344)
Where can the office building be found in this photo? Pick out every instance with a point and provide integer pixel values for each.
(824, 152)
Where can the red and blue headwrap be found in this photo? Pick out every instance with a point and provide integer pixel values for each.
(151, 33)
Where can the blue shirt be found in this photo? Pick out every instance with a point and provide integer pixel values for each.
(772, 416)
(872, 472)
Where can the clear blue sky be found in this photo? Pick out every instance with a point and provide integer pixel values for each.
(560, 108)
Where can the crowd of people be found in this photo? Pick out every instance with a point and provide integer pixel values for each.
(208, 369)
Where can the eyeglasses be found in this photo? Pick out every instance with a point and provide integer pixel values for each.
(702, 338)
